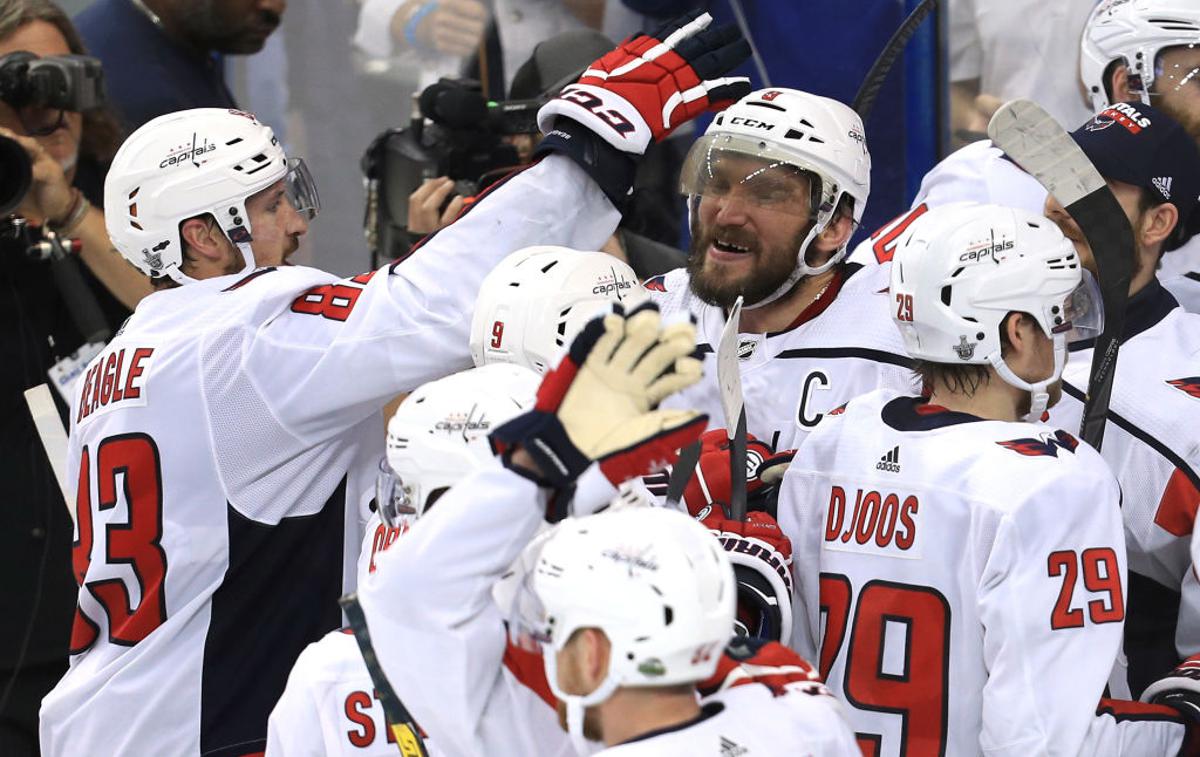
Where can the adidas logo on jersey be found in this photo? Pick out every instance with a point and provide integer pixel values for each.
(730, 748)
(1163, 184)
(890, 462)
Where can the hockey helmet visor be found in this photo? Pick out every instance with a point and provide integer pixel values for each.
(1083, 311)
(392, 498)
(757, 172)
(301, 189)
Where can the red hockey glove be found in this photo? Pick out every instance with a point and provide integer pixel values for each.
(645, 88)
(597, 405)
(711, 484)
(770, 664)
(762, 560)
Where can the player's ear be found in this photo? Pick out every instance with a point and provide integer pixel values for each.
(836, 233)
(1156, 225)
(1118, 84)
(203, 240)
(596, 655)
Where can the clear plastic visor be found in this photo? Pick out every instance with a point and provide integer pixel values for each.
(301, 189)
(392, 498)
(754, 171)
(1177, 69)
(1082, 312)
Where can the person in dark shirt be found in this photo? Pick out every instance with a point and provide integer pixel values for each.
(161, 56)
(36, 332)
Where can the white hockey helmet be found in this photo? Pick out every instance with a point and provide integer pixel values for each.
(961, 268)
(439, 434)
(774, 127)
(536, 300)
(185, 164)
(653, 579)
(1134, 32)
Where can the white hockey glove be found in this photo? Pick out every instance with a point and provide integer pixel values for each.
(598, 404)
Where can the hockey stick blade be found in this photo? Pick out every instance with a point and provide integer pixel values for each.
(729, 380)
(406, 732)
(1041, 147)
(868, 91)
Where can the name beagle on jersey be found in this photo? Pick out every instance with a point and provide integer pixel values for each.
(117, 378)
(878, 522)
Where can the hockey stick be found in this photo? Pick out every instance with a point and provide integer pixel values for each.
(729, 380)
(1041, 147)
(864, 101)
(681, 473)
(54, 438)
(405, 730)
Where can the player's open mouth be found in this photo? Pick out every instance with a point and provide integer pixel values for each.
(728, 249)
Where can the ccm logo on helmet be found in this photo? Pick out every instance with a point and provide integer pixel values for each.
(750, 123)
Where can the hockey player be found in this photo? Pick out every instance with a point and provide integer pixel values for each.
(775, 188)
(1152, 438)
(1147, 50)
(632, 607)
(435, 439)
(960, 572)
(225, 443)
(536, 300)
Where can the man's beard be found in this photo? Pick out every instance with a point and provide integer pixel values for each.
(771, 270)
(201, 20)
(1188, 118)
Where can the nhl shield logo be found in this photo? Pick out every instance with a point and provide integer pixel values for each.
(964, 349)
(746, 349)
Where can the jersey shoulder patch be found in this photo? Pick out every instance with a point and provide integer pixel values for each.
(656, 283)
(1045, 444)
(1189, 385)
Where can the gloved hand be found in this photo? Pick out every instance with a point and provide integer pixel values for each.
(645, 88)
(598, 404)
(771, 664)
(762, 558)
(709, 486)
(1179, 689)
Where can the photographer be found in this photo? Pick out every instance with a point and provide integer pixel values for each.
(437, 201)
(63, 154)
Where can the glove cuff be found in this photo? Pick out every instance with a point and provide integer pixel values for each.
(542, 435)
(611, 169)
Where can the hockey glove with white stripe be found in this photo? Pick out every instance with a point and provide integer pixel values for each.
(598, 404)
(649, 85)
(1179, 689)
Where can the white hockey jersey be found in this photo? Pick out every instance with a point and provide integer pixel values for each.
(225, 445)
(476, 694)
(962, 583)
(1152, 443)
(844, 344)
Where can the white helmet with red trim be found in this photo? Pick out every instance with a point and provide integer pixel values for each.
(536, 300)
(771, 128)
(960, 269)
(189, 163)
(1135, 32)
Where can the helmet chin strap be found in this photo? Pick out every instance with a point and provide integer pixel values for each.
(1039, 397)
(577, 705)
(802, 269)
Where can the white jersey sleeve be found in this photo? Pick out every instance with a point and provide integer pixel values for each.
(439, 636)
(344, 346)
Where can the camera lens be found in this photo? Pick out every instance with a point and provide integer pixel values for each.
(16, 175)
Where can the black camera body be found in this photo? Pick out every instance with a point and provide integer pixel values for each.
(457, 133)
(60, 82)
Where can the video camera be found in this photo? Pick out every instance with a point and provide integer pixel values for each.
(455, 132)
(40, 90)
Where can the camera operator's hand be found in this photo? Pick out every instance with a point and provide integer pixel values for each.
(453, 27)
(51, 197)
(425, 214)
